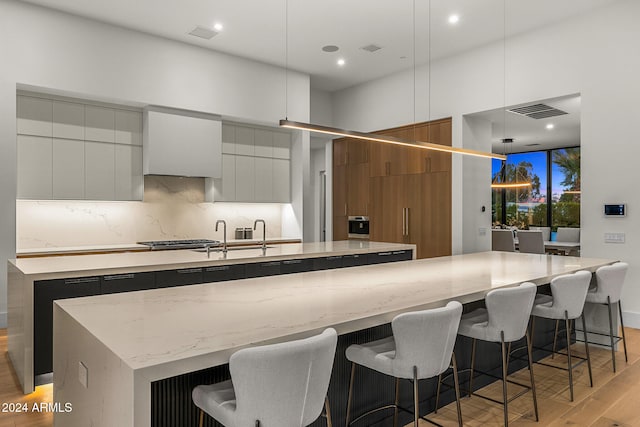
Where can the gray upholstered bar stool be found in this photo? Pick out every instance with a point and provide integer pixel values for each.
(504, 320)
(277, 385)
(421, 347)
(609, 281)
(530, 242)
(568, 294)
(502, 240)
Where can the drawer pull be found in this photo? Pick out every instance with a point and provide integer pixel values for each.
(81, 280)
(292, 261)
(119, 277)
(189, 271)
(221, 268)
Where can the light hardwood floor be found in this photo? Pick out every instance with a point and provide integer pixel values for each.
(614, 399)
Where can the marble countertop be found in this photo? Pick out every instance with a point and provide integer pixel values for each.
(191, 327)
(128, 262)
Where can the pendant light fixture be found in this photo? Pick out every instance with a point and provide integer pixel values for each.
(286, 123)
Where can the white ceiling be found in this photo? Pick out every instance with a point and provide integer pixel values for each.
(526, 131)
(256, 29)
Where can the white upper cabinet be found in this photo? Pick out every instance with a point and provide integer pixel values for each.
(228, 139)
(68, 120)
(263, 143)
(34, 116)
(128, 127)
(245, 141)
(68, 169)
(100, 124)
(281, 145)
(100, 171)
(182, 145)
(34, 167)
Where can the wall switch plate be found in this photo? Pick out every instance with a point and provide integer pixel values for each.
(83, 374)
(614, 237)
(482, 231)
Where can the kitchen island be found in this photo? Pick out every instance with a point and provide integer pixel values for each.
(110, 350)
(34, 283)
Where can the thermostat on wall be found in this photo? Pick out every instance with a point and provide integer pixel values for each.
(615, 210)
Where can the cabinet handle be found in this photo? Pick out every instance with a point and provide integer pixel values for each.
(387, 168)
(345, 209)
(81, 280)
(189, 270)
(221, 268)
(119, 277)
(404, 223)
(407, 220)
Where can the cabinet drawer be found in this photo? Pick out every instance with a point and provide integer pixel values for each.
(327, 263)
(262, 269)
(224, 272)
(296, 266)
(355, 260)
(187, 276)
(127, 282)
(44, 293)
(390, 256)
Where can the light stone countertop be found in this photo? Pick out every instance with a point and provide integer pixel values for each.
(129, 262)
(157, 327)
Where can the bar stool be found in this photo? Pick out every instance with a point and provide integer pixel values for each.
(504, 321)
(421, 347)
(609, 281)
(568, 294)
(277, 385)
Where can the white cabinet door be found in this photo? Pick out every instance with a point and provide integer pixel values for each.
(99, 171)
(245, 178)
(34, 116)
(128, 127)
(263, 179)
(68, 120)
(34, 167)
(68, 169)
(228, 138)
(100, 124)
(245, 141)
(228, 178)
(281, 145)
(128, 172)
(263, 143)
(281, 181)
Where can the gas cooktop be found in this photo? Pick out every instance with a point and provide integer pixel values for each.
(157, 245)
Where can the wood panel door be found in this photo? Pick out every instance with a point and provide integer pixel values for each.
(435, 238)
(357, 197)
(387, 202)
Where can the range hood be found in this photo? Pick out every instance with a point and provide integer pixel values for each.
(181, 143)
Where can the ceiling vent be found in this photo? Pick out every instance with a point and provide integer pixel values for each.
(371, 48)
(203, 33)
(535, 144)
(538, 111)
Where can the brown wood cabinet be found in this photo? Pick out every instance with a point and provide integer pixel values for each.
(405, 191)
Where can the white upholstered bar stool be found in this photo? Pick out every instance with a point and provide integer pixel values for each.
(421, 347)
(609, 281)
(568, 294)
(568, 234)
(504, 320)
(502, 240)
(546, 231)
(530, 242)
(277, 385)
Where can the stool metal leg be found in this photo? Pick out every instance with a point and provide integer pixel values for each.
(416, 410)
(533, 383)
(350, 395)
(473, 364)
(456, 385)
(624, 339)
(201, 422)
(397, 401)
(613, 349)
(586, 348)
(555, 338)
(435, 411)
(327, 411)
(569, 364)
(504, 378)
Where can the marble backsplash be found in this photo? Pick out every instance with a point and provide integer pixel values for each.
(173, 208)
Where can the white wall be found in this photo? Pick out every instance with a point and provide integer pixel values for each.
(320, 108)
(46, 49)
(596, 55)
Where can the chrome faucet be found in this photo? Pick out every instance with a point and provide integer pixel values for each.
(264, 232)
(224, 236)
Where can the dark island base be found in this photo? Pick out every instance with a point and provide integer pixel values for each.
(171, 403)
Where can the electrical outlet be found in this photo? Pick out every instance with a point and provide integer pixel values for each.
(614, 237)
(83, 374)
(482, 231)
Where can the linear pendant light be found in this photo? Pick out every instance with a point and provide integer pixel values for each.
(386, 139)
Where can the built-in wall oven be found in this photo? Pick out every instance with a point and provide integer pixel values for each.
(358, 227)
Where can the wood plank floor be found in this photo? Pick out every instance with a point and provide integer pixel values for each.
(613, 401)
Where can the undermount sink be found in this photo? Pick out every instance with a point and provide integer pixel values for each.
(232, 248)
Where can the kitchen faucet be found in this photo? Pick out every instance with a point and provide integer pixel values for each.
(264, 232)
(224, 236)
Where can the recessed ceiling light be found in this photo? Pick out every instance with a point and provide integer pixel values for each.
(453, 19)
(218, 26)
(550, 126)
(330, 48)
(341, 62)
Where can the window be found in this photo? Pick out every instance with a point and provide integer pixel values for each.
(555, 179)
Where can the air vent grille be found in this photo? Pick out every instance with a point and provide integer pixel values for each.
(371, 48)
(203, 33)
(538, 111)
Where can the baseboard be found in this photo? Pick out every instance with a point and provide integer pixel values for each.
(631, 319)
(3, 319)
